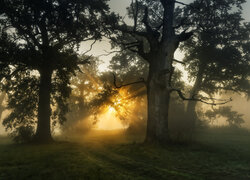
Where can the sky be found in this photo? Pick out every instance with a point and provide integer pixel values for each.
(120, 6)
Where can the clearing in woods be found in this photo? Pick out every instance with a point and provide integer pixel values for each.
(216, 154)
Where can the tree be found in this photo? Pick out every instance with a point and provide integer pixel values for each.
(38, 55)
(233, 118)
(155, 36)
(131, 71)
(216, 57)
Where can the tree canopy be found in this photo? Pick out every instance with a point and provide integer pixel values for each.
(39, 40)
(216, 57)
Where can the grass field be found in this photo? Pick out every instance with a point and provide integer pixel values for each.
(216, 154)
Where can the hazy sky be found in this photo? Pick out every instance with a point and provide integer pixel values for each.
(120, 6)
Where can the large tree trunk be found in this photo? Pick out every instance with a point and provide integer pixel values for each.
(160, 60)
(43, 131)
(158, 95)
(191, 112)
(158, 105)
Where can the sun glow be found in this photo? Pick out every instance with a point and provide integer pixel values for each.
(108, 120)
(114, 114)
(111, 109)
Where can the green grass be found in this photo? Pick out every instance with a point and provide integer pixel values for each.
(216, 154)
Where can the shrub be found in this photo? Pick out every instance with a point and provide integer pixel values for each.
(23, 134)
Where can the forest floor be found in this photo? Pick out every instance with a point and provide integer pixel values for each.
(216, 154)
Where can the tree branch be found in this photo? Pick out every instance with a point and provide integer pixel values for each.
(135, 12)
(84, 61)
(129, 46)
(184, 4)
(123, 85)
(184, 36)
(109, 53)
(181, 62)
(202, 99)
(91, 46)
(153, 34)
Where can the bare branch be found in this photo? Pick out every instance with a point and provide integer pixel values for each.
(214, 99)
(109, 53)
(184, 4)
(91, 46)
(123, 85)
(202, 99)
(131, 47)
(158, 16)
(189, 5)
(181, 62)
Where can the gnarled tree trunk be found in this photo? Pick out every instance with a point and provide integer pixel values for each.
(158, 94)
(158, 105)
(159, 50)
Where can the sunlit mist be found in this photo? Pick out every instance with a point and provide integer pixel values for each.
(113, 115)
(109, 121)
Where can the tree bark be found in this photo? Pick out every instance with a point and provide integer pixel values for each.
(158, 95)
(158, 105)
(43, 131)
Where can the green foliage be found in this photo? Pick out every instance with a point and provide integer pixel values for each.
(129, 67)
(216, 54)
(42, 37)
(94, 91)
(232, 117)
(22, 100)
(23, 134)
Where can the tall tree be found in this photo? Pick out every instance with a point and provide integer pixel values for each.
(216, 56)
(37, 55)
(155, 36)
